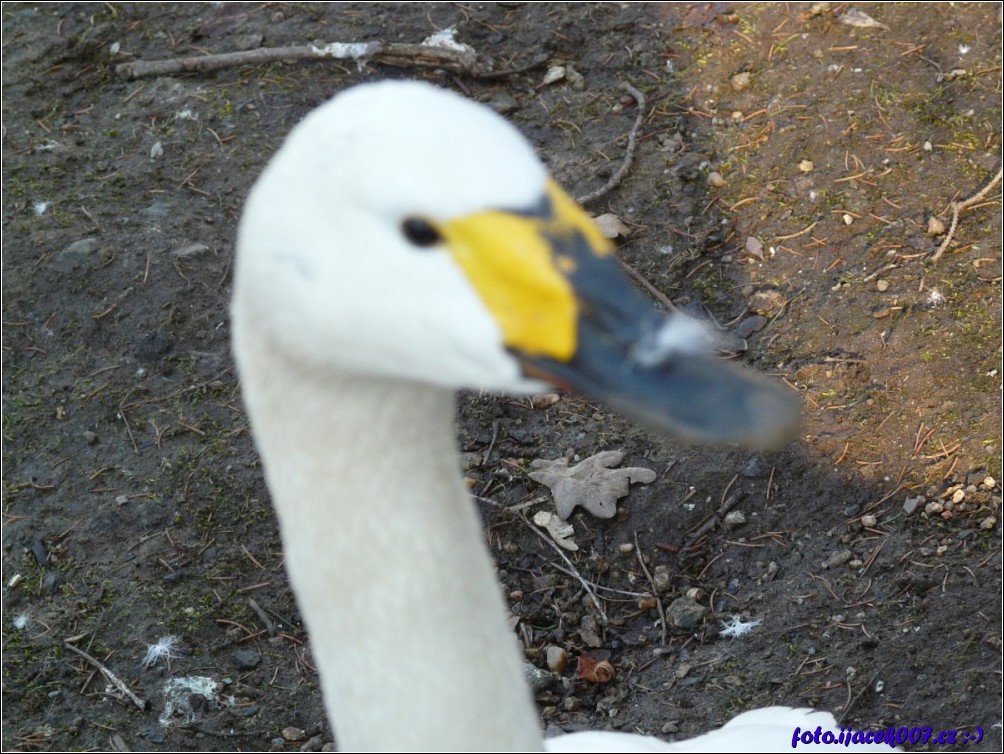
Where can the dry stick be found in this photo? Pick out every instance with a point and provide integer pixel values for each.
(617, 177)
(969, 201)
(655, 592)
(112, 678)
(394, 54)
(851, 702)
(491, 445)
(716, 517)
(575, 572)
(661, 297)
(615, 180)
(263, 617)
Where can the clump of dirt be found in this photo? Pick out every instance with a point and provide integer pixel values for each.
(787, 171)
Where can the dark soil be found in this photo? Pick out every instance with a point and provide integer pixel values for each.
(134, 506)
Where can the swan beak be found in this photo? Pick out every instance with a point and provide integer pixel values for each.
(570, 316)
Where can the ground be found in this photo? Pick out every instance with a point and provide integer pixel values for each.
(787, 168)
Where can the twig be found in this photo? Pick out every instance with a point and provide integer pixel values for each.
(661, 297)
(594, 585)
(515, 508)
(851, 701)
(655, 592)
(112, 678)
(617, 177)
(965, 203)
(506, 72)
(262, 616)
(491, 445)
(393, 54)
(728, 504)
(578, 576)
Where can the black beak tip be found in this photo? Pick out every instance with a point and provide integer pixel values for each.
(697, 398)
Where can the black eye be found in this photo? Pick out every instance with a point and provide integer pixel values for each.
(420, 232)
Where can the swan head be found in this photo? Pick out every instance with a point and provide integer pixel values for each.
(405, 232)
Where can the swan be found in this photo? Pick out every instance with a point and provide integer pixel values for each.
(405, 242)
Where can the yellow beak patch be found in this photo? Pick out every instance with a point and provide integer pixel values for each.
(520, 266)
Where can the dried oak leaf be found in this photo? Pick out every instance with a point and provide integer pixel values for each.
(593, 484)
(560, 530)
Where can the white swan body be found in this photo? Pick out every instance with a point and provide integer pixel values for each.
(404, 243)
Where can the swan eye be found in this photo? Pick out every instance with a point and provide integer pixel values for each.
(420, 232)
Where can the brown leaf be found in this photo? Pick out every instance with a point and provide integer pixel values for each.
(611, 226)
(854, 17)
(593, 484)
(592, 671)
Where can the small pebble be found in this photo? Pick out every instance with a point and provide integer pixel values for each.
(248, 659)
(741, 81)
(314, 743)
(847, 219)
(933, 508)
(959, 496)
(715, 180)
(625, 548)
(294, 735)
(803, 186)
(662, 581)
(934, 226)
(191, 251)
(79, 251)
(503, 103)
(684, 614)
(988, 523)
(882, 285)
(989, 483)
(575, 79)
(869, 522)
(766, 302)
(554, 73)
(734, 519)
(539, 679)
(544, 400)
(837, 558)
(806, 166)
(557, 658)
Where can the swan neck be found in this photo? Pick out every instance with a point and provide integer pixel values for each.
(386, 555)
